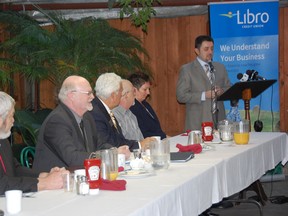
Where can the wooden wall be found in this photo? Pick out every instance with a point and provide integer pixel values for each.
(283, 68)
(170, 43)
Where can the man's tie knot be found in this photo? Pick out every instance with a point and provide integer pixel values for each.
(113, 119)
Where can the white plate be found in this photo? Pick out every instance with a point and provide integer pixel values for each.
(226, 143)
(212, 142)
(207, 147)
(219, 142)
(136, 173)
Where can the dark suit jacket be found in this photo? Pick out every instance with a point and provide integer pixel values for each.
(191, 83)
(149, 126)
(16, 176)
(60, 142)
(106, 129)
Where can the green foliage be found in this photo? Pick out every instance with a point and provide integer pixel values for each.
(139, 11)
(87, 47)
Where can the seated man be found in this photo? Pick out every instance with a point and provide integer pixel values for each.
(146, 117)
(123, 114)
(13, 176)
(109, 92)
(68, 135)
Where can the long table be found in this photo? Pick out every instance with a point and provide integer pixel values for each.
(183, 189)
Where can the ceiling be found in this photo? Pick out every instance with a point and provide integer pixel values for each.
(77, 9)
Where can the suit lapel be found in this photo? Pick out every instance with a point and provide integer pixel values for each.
(76, 125)
(107, 116)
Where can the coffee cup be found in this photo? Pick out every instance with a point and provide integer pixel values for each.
(121, 160)
(13, 201)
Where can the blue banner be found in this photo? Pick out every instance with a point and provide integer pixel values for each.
(246, 38)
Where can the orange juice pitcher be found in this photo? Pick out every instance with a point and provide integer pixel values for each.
(241, 132)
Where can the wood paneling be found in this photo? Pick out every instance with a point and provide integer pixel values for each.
(170, 44)
(283, 68)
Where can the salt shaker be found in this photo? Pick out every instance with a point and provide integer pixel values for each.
(82, 186)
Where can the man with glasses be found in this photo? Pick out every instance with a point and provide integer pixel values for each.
(68, 135)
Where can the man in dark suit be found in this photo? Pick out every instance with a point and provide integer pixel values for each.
(13, 176)
(68, 135)
(200, 82)
(109, 92)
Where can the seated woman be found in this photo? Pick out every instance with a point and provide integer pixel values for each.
(146, 117)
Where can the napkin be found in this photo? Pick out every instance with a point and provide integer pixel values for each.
(116, 185)
(186, 134)
(120, 169)
(195, 148)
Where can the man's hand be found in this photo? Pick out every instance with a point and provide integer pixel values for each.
(124, 150)
(214, 93)
(51, 180)
(146, 142)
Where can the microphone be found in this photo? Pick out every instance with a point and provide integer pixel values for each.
(212, 69)
(255, 76)
(243, 77)
(250, 75)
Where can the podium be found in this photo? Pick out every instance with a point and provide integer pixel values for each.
(246, 91)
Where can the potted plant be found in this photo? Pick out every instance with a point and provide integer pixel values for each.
(85, 47)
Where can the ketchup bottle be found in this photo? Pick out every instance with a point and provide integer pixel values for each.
(207, 131)
(92, 168)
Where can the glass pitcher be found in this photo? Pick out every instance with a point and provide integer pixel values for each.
(160, 154)
(109, 165)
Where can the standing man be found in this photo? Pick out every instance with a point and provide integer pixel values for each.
(13, 176)
(68, 135)
(199, 84)
(109, 92)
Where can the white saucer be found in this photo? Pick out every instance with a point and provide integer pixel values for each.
(136, 173)
(221, 143)
(212, 142)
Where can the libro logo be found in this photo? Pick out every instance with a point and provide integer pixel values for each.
(248, 17)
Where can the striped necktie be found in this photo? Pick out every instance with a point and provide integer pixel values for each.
(84, 135)
(208, 73)
(210, 77)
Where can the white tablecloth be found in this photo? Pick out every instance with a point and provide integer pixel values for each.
(184, 189)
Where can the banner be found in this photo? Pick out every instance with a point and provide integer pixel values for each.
(246, 38)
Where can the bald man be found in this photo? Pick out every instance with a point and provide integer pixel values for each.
(62, 141)
(125, 117)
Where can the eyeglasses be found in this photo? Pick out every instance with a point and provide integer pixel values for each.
(89, 93)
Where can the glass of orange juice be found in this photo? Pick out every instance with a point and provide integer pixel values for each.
(241, 132)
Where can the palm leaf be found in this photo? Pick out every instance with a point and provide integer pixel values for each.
(86, 47)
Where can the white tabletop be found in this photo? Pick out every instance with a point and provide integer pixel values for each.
(184, 189)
